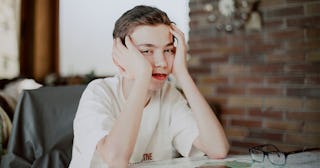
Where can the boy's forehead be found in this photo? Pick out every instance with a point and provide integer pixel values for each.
(158, 35)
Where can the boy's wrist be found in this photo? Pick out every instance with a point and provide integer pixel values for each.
(182, 75)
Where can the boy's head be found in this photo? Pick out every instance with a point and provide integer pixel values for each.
(139, 15)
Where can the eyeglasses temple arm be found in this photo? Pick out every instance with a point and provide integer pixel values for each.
(303, 150)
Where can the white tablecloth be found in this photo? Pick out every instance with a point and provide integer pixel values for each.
(300, 160)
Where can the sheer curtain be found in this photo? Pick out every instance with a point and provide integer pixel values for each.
(9, 38)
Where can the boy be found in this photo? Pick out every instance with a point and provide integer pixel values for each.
(138, 115)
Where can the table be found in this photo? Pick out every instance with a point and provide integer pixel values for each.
(300, 160)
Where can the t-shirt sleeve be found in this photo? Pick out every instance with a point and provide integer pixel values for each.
(93, 121)
(184, 128)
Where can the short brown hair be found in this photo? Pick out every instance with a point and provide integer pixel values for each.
(139, 15)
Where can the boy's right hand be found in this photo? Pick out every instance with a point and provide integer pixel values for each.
(130, 61)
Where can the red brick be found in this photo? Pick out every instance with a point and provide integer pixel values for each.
(237, 133)
(312, 127)
(283, 125)
(312, 33)
(200, 70)
(230, 90)
(274, 24)
(284, 103)
(234, 150)
(307, 21)
(299, 1)
(228, 49)
(285, 58)
(304, 45)
(248, 59)
(285, 80)
(200, 12)
(246, 144)
(271, 3)
(304, 92)
(208, 39)
(312, 105)
(303, 139)
(239, 101)
(217, 100)
(256, 48)
(263, 134)
(248, 80)
(233, 111)
(266, 113)
(199, 51)
(215, 80)
(286, 11)
(303, 116)
(246, 123)
(224, 122)
(232, 69)
(302, 68)
(313, 80)
(212, 60)
(238, 39)
(206, 90)
(286, 147)
(265, 91)
(268, 68)
(313, 9)
(286, 34)
(313, 57)
(253, 38)
(193, 24)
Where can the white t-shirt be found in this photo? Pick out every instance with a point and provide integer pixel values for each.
(167, 128)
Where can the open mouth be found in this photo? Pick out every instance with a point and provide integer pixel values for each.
(159, 76)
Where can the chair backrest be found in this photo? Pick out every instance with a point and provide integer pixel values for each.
(42, 132)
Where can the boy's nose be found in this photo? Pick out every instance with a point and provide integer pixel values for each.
(160, 61)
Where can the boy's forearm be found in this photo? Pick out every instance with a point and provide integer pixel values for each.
(118, 146)
(211, 134)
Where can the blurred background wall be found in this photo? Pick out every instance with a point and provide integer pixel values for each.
(265, 83)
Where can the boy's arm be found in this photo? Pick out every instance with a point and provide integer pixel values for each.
(212, 139)
(117, 147)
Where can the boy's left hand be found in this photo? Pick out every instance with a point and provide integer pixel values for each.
(180, 63)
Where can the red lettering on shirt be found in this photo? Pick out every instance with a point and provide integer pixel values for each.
(147, 156)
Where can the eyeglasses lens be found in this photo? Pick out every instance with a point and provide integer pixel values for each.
(277, 158)
(257, 155)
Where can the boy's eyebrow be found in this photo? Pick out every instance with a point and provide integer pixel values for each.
(152, 45)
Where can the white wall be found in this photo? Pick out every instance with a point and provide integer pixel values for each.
(86, 31)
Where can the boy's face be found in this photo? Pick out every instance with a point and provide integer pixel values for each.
(156, 44)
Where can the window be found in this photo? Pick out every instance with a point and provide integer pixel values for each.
(9, 35)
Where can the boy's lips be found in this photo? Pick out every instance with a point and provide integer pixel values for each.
(159, 76)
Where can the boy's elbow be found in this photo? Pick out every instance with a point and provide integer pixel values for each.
(219, 154)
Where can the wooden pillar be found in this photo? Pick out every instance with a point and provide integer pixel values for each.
(40, 38)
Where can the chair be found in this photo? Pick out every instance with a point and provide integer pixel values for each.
(42, 132)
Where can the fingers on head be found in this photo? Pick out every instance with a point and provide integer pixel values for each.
(176, 31)
(128, 42)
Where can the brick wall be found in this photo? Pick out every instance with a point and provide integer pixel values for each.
(265, 84)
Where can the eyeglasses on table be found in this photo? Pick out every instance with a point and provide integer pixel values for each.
(274, 155)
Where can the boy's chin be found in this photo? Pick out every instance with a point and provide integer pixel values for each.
(156, 86)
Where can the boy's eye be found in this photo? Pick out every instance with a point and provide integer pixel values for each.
(146, 52)
(169, 51)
